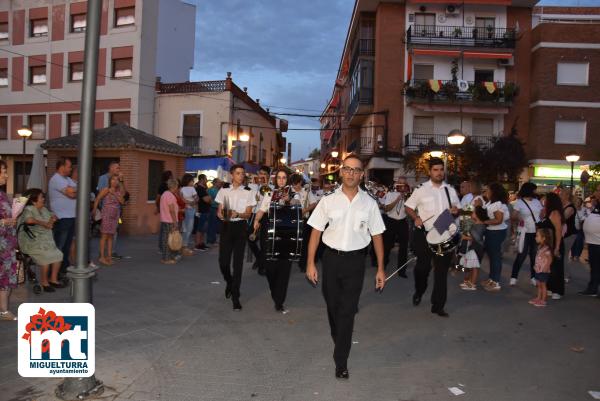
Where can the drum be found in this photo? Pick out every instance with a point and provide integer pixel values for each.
(442, 244)
(284, 233)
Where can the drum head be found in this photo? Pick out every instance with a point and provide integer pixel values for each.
(433, 237)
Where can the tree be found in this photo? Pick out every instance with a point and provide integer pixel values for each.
(315, 154)
(505, 160)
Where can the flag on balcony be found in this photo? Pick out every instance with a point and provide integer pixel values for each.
(435, 85)
(490, 86)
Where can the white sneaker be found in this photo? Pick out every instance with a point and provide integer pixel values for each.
(513, 281)
(556, 296)
(493, 286)
(549, 293)
(533, 282)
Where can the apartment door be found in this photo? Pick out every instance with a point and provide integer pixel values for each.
(485, 28)
(423, 72)
(424, 24)
(484, 76)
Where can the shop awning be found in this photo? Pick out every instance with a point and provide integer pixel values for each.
(486, 55)
(436, 52)
(208, 163)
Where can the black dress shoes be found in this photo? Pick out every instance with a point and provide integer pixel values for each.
(416, 299)
(228, 291)
(441, 313)
(342, 373)
(237, 306)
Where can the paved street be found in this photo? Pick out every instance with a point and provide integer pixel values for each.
(167, 333)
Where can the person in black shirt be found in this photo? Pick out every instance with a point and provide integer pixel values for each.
(201, 222)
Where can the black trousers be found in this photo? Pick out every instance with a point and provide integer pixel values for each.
(395, 231)
(556, 281)
(278, 276)
(529, 249)
(343, 277)
(306, 230)
(233, 242)
(441, 264)
(256, 247)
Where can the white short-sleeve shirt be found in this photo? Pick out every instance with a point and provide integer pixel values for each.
(430, 201)
(237, 199)
(350, 224)
(398, 212)
(525, 214)
(498, 206)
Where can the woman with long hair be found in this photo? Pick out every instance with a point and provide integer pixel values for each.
(570, 213)
(554, 220)
(495, 232)
(190, 198)
(8, 255)
(277, 271)
(112, 199)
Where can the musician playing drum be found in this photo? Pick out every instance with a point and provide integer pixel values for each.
(277, 271)
(430, 199)
(353, 218)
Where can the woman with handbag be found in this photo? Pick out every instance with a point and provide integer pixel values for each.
(169, 211)
(112, 199)
(554, 219)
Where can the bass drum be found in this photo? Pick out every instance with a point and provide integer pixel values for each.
(442, 244)
(284, 233)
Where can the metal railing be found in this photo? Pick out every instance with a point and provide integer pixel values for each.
(191, 144)
(362, 96)
(414, 141)
(366, 145)
(464, 36)
(504, 92)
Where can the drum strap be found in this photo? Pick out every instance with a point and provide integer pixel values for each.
(448, 196)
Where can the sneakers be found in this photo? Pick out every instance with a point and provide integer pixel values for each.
(556, 296)
(513, 282)
(549, 293)
(587, 293)
(492, 286)
(7, 315)
(468, 286)
(533, 281)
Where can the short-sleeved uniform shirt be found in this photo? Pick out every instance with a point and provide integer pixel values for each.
(398, 212)
(237, 199)
(430, 201)
(350, 224)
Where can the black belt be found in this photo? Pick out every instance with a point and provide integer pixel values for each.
(362, 251)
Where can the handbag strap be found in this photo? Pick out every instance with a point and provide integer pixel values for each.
(530, 211)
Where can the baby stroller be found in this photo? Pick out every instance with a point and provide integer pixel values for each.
(27, 264)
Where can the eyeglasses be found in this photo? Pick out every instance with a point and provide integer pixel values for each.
(351, 171)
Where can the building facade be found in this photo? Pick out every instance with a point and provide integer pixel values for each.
(412, 71)
(41, 68)
(308, 167)
(213, 118)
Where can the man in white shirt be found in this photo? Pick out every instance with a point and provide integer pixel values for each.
(396, 226)
(263, 179)
(426, 203)
(466, 194)
(352, 218)
(235, 208)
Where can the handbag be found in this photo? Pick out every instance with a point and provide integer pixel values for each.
(175, 241)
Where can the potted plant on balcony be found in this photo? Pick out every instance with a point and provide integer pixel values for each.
(490, 31)
(409, 90)
(510, 91)
(457, 32)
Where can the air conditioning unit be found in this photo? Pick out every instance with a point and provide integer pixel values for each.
(451, 9)
(506, 62)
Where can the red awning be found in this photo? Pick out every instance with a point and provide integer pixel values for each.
(335, 101)
(487, 55)
(434, 52)
(487, 2)
(327, 135)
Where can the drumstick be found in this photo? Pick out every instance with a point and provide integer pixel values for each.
(401, 267)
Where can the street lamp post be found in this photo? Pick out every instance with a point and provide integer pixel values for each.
(24, 132)
(572, 157)
(456, 137)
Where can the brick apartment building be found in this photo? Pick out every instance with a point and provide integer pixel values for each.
(41, 67)
(411, 71)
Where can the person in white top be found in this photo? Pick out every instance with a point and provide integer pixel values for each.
(352, 218)
(466, 194)
(526, 210)
(495, 232)
(190, 197)
(428, 201)
(263, 180)
(396, 226)
(235, 208)
(591, 230)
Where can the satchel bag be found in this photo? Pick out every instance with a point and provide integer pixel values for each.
(175, 241)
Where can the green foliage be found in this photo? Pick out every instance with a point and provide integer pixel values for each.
(315, 153)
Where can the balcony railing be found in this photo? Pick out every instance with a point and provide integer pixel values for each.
(463, 36)
(448, 91)
(366, 145)
(364, 96)
(414, 141)
(191, 144)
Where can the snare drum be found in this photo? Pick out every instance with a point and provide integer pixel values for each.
(442, 244)
(284, 234)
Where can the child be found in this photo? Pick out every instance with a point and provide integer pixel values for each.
(472, 253)
(543, 259)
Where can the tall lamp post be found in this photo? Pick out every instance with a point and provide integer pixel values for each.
(24, 132)
(572, 157)
(456, 137)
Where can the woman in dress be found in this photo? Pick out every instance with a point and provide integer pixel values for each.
(112, 200)
(8, 246)
(36, 240)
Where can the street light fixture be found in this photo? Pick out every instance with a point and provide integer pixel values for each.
(572, 157)
(24, 132)
(436, 153)
(283, 160)
(244, 137)
(456, 137)
(323, 165)
(334, 153)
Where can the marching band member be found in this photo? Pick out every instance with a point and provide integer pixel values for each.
(263, 180)
(235, 208)
(353, 218)
(430, 199)
(396, 224)
(277, 271)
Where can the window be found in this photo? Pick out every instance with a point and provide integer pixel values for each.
(483, 127)
(122, 67)
(423, 71)
(3, 30)
(423, 125)
(263, 156)
(484, 76)
(3, 127)
(75, 72)
(3, 77)
(571, 132)
(572, 73)
(38, 27)
(124, 16)
(425, 19)
(191, 125)
(155, 170)
(37, 74)
(78, 22)
(37, 124)
(253, 153)
(73, 124)
(486, 23)
(119, 117)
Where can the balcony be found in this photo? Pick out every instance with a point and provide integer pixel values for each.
(191, 144)
(366, 146)
(461, 36)
(424, 91)
(415, 141)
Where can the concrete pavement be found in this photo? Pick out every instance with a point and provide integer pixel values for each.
(167, 333)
